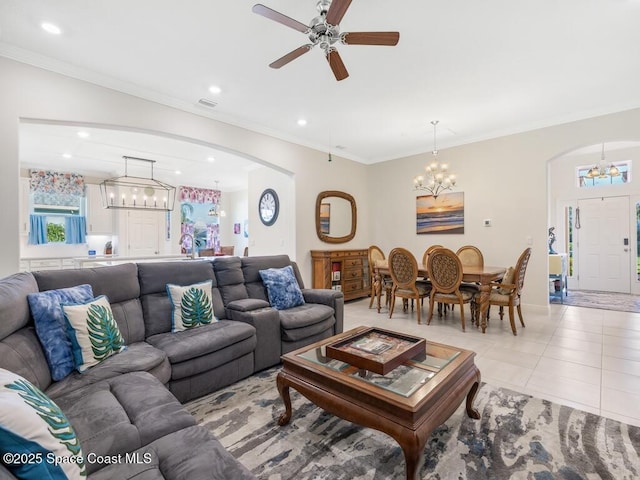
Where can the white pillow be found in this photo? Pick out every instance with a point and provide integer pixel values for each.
(93, 332)
(192, 305)
(36, 439)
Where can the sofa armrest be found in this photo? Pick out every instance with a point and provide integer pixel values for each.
(266, 321)
(247, 305)
(331, 298)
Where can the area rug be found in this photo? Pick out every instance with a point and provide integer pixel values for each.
(518, 437)
(622, 302)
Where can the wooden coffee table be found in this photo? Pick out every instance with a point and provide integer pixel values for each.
(407, 403)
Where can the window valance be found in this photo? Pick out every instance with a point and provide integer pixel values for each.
(56, 188)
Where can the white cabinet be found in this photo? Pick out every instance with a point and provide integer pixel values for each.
(24, 206)
(99, 219)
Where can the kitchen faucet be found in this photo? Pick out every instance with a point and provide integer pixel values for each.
(193, 243)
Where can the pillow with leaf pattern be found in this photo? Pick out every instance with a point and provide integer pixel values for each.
(93, 332)
(192, 305)
(34, 432)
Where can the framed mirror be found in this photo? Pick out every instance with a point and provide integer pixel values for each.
(336, 216)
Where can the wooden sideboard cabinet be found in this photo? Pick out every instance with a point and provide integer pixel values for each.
(345, 270)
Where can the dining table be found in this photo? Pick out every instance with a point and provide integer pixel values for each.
(482, 276)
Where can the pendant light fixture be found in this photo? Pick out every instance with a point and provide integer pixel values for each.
(436, 178)
(602, 170)
(137, 193)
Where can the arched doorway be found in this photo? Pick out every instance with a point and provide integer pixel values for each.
(596, 219)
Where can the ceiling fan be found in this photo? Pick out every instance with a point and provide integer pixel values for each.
(324, 31)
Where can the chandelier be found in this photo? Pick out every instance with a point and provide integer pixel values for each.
(602, 170)
(216, 209)
(436, 178)
(137, 193)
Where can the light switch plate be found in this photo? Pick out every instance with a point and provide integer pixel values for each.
(486, 222)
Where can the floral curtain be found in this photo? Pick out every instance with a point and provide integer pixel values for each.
(199, 195)
(56, 188)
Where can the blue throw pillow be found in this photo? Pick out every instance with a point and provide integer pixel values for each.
(36, 439)
(282, 287)
(51, 327)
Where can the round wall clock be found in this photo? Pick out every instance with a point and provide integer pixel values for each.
(268, 207)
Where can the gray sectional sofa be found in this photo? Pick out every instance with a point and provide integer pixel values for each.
(130, 402)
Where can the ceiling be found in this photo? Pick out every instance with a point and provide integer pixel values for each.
(483, 69)
(99, 153)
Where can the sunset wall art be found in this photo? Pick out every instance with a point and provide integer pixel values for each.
(444, 214)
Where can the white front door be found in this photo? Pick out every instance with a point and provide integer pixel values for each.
(143, 233)
(603, 244)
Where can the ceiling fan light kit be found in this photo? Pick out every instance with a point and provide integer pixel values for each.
(324, 31)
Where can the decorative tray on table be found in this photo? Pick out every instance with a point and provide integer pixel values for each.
(377, 350)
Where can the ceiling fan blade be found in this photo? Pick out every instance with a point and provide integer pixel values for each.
(282, 61)
(337, 10)
(279, 17)
(371, 38)
(335, 61)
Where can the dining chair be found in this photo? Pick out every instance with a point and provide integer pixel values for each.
(374, 254)
(227, 250)
(445, 272)
(403, 268)
(425, 255)
(206, 252)
(506, 293)
(425, 259)
(470, 256)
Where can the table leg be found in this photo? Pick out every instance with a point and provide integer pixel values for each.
(472, 412)
(485, 291)
(283, 388)
(377, 282)
(413, 448)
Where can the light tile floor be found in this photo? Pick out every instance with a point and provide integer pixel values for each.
(581, 357)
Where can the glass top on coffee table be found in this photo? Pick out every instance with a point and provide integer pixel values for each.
(403, 380)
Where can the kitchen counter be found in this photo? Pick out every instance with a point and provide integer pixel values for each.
(28, 264)
(104, 260)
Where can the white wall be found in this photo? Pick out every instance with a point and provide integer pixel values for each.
(235, 204)
(33, 93)
(504, 179)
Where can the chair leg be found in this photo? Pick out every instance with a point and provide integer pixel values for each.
(373, 294)
(520, 315)
(501, 312)
(430, 310)
(419, 308)
(461, 315)
(392, 304)
(512, 319)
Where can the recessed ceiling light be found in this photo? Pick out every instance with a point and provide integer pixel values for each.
(215, 89)
(302, 122)
(83, 134)
(211, 159)
(178, 172)
(66, 155)
(51, 28)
